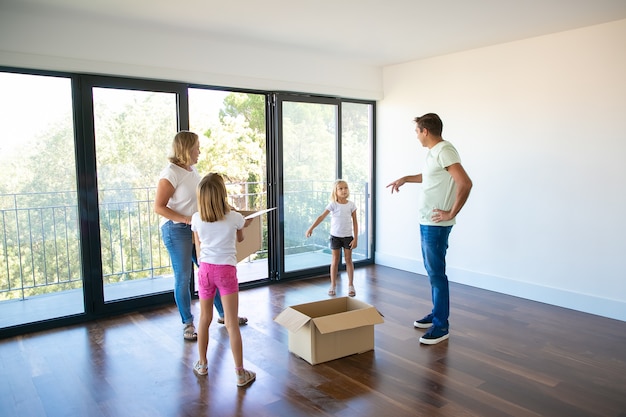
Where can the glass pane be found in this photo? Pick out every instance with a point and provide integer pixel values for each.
(309, 166)
(356, 155)
(133, 131)
(40, 260)
(232, 131)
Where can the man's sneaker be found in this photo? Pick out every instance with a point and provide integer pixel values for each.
(434, 336)
(424, 323)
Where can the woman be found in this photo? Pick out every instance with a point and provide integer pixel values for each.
(175, 202)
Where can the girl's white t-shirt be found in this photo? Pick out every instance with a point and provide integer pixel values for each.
(185, 182)
(341, 218)
(218, 239)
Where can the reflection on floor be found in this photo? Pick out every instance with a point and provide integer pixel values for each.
(68, 303)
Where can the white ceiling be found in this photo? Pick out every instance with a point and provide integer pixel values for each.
(372, 32)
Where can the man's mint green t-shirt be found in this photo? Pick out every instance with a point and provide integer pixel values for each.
(438, 187)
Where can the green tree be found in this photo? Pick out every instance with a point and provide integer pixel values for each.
(233, 150)
(250, 106)
(132, 141)
(237, 146)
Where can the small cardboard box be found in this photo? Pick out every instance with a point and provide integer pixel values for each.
(252, 234)
(330, 329)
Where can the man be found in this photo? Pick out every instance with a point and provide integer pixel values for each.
(445, 188)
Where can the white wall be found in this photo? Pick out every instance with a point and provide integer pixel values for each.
(541, 128)
(46, 39)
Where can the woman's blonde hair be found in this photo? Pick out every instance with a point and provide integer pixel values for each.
(212, 198)
(333, 195)
(183, 143)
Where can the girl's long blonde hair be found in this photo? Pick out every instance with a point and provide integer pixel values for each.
(212, 198)
(183, 143)
(333, 195)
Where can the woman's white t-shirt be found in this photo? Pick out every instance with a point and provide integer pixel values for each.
(185, 182)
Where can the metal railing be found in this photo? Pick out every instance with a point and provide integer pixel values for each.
(40, 243)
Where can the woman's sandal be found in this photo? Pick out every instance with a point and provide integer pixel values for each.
(331, 291)
(242, 320)
(245, 378)
(351, 291)
(189, 332)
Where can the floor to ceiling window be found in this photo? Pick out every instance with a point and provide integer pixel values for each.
(357, 121)
(309, 154)
(232, 130)
(81, 157)
(133, 131)
(40, 259)
(321, 140)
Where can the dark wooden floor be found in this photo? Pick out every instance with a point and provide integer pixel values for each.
(505, 357)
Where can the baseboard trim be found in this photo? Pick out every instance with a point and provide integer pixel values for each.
(586, 303)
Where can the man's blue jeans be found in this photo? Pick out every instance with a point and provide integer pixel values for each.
(434, 240)
(177, 239)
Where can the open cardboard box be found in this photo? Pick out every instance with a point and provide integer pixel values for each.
(330, 329)
(252, 234)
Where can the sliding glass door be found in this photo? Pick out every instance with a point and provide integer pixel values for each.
(40, 258)
(309, 155)
(127, 129)
(319, 141)
(357, 167)
(133, 132)
(232, 129)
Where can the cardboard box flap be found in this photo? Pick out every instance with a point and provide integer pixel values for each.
(292, 319)
(253, 214)
(348, 320)
(252, 241)
(324, 307)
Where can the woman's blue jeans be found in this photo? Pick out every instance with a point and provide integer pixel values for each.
(434, 240)
(177, 239)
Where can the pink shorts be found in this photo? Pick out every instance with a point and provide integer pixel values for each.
(222, 277)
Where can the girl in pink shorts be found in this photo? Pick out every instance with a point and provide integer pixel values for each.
(216, 229)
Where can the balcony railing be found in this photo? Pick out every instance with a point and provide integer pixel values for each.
(39, 244)
(40, 248)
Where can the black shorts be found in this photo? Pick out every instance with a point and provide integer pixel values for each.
(340, 242)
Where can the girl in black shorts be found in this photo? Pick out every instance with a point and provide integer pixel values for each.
(344, 232)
